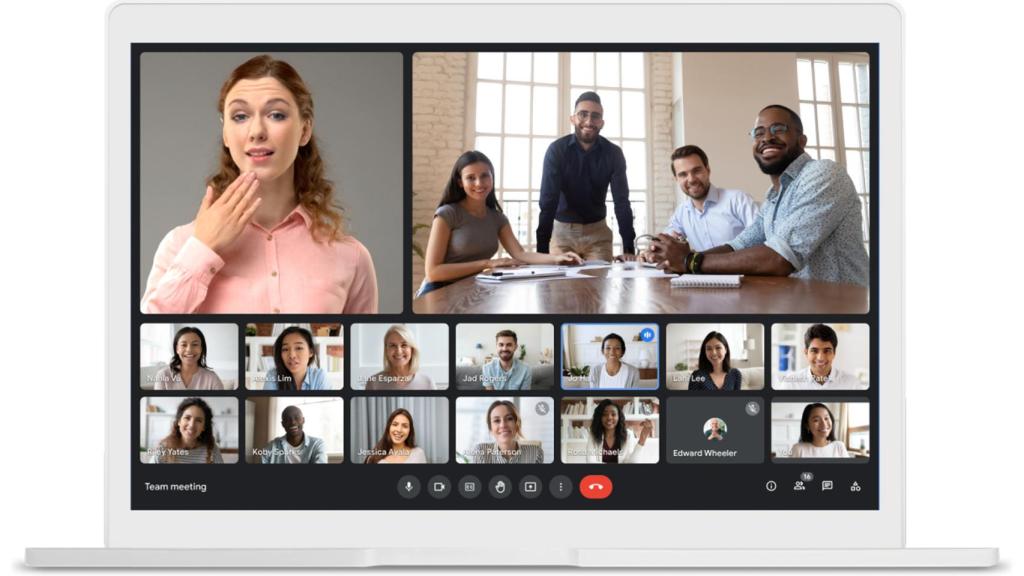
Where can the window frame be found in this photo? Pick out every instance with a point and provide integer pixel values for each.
(838, 128)
(564, 90)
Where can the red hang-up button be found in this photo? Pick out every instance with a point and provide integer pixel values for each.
(596, 487)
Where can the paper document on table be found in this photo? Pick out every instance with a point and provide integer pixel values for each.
(707, 281)
(642, 272)
(520, 273)
(578, 271)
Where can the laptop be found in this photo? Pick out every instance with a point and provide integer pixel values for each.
(275, 206)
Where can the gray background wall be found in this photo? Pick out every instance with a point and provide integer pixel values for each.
(358, 121)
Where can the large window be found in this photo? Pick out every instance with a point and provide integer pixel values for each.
(835, 108)
(523, 102)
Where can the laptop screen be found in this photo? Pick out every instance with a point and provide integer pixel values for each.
(552, 277)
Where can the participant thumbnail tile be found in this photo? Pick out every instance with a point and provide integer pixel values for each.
(294, 430)
(817, 357)
(188, 430)
(505, 430)
(714, 357)
(825, 430)
(610, 356)
(400, 357)
(399, 430)
(188, 357)
(610, 430)
(504, 357)
(295, 357)
(715, 430)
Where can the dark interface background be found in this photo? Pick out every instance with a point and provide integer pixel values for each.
(703, 449)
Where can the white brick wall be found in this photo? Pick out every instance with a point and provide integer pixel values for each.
(438, 134)
(663, 200)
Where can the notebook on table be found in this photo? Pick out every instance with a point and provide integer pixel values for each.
(707, 281)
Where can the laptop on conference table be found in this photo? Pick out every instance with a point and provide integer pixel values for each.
(547, 403)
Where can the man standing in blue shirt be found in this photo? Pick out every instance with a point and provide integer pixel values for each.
(711, 216)
(578, 170)
(506, 372)
(809, 225)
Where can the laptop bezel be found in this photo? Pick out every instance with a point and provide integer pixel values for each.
(649, 22)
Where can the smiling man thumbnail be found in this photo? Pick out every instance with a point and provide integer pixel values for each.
(295, 447)
(820, 345)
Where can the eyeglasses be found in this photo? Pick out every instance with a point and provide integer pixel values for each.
(582, 115)
(775, 129)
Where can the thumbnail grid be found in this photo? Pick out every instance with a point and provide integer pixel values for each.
(490, 393)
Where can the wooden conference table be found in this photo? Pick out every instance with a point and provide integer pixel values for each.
(606, 292)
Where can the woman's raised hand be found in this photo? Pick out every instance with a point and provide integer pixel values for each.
(220, 222)
(646, 431)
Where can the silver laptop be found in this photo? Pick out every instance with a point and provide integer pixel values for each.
(301, 198)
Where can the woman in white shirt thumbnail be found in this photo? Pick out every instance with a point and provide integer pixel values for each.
(817, 436)
(614, 373)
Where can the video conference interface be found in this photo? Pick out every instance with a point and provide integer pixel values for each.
(565, 260)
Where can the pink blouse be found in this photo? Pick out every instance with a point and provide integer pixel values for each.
(283, 270)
